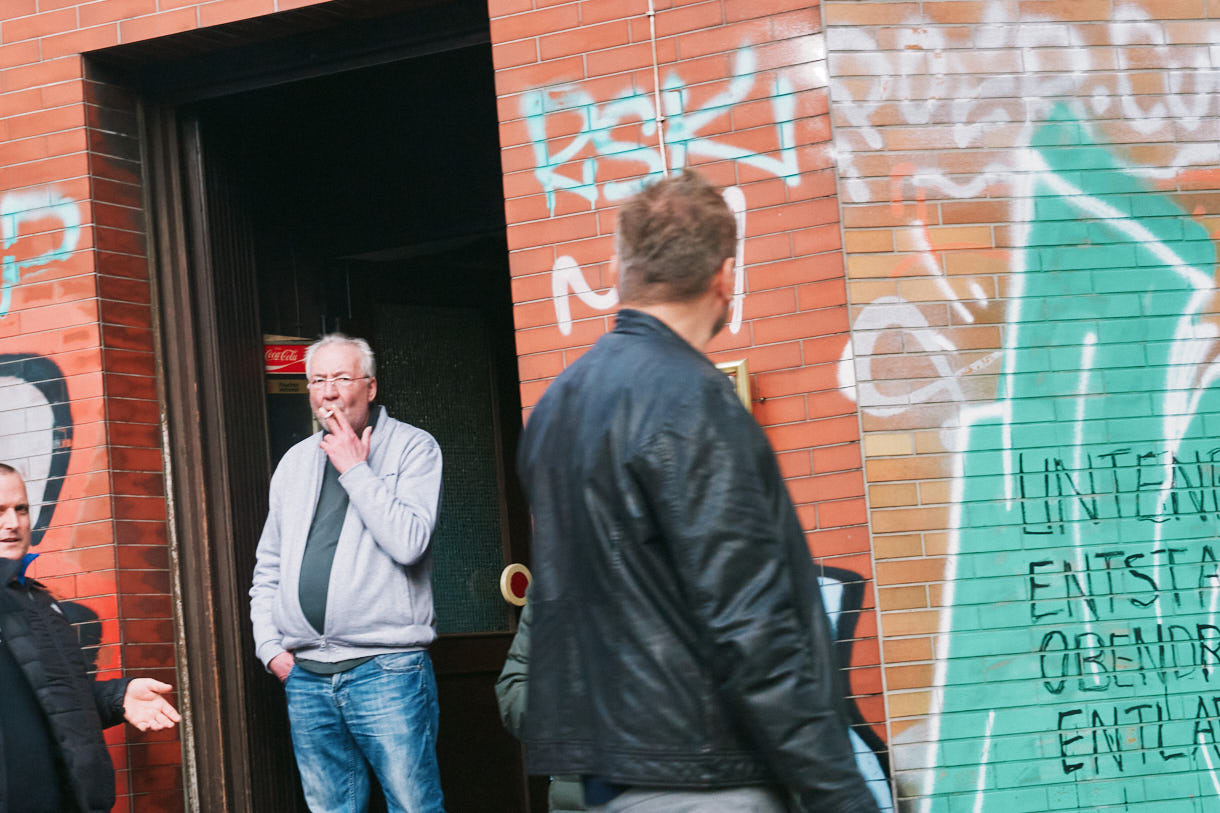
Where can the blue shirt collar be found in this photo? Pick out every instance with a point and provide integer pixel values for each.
(25, 562)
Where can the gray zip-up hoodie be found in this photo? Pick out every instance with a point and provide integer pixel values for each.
(380, 591)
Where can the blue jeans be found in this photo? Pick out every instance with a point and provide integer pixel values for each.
(382, 714)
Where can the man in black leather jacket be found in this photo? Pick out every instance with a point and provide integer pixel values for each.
(681, 658)
(53, 758)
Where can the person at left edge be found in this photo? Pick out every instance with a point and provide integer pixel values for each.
(342, 596)
(52, 711)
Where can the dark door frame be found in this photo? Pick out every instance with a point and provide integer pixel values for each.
(210, 603)
(215, 746)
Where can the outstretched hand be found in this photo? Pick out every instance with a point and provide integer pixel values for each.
(145, 708)
(342, 445)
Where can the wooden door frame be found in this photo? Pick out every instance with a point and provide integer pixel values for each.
(214, 740)
(209, 604)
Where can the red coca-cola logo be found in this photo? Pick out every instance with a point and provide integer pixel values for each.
(284, 358)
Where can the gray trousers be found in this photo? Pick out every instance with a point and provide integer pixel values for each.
(733, 800)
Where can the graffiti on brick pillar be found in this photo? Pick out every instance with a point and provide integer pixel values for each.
(1077, 658)
(36, 439)
(843, 597)
(35, 430)
(595, 143)
(598, 148)
(43, 213)
(1083, 580)
(927, 76)
(930, 76)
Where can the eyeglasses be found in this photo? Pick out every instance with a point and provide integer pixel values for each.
(340, 381)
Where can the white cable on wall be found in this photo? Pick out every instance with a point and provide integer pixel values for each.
(656, 88)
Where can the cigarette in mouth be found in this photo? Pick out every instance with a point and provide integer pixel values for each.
(328, 413)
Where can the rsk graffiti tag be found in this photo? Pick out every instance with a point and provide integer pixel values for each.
(683, 130)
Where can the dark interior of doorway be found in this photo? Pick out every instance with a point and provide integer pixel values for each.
(369, 201)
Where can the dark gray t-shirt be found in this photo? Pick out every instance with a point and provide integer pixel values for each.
(320, 547)
(314, 582)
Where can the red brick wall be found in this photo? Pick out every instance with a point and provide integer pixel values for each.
(134, 433)
(746, 104)
(921, 204)
(747, 81)
(1013, 176)
(78, 306)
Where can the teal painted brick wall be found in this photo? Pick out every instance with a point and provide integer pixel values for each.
(1028, 199)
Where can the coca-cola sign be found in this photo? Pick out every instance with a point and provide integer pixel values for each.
(284, 359)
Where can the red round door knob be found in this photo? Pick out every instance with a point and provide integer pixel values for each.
(514, 581)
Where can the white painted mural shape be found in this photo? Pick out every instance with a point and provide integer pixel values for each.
(35, 416)
(27, 435)
(36, 430)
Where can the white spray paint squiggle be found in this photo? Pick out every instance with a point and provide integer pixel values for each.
(932, 76)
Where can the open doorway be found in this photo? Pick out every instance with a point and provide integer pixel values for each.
(364, 198)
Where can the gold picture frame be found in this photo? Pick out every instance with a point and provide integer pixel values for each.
(739, 371)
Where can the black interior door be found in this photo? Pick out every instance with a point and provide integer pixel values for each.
(329, 207)
(443, 367)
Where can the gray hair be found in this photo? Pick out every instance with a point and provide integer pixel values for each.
(368, 365)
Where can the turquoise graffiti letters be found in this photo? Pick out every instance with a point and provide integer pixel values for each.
(595, 141)
(1080, 662)
(20, 208)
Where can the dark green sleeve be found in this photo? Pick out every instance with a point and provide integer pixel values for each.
(511, 685)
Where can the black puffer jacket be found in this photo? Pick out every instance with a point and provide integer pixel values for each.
(678, 636)
(77, 707)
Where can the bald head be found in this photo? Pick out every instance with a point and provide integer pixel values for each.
(14, 514)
